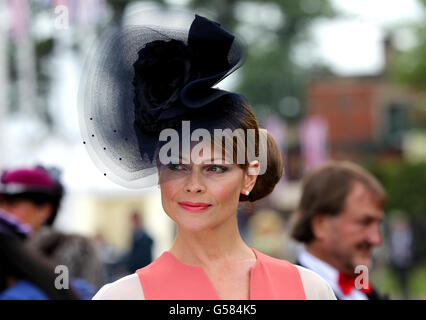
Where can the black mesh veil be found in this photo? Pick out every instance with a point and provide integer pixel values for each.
(106, 107)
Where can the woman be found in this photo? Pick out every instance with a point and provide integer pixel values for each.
(203, 180)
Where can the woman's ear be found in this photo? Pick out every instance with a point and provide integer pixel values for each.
(251, 175)
(254, 168)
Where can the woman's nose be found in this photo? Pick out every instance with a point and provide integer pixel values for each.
(194, 182)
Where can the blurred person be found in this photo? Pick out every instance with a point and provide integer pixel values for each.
(338, 220)
(29, 198)
(76, 252)
(170, 78)
(31, 195)
(401, 252)
(266, 232)
(140, 254)
(109, 257)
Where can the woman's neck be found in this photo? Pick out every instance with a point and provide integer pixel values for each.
(209, 247)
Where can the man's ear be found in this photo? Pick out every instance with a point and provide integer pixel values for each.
(321, 226)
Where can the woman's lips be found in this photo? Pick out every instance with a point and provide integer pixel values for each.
(194, 206)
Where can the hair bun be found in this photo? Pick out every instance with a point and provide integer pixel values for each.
(266, 182)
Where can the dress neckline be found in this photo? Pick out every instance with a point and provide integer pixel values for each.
(170, 279)
(167, 254)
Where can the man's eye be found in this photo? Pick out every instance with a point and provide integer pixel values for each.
(366, 222)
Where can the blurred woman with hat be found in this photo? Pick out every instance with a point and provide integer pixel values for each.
(29, 198)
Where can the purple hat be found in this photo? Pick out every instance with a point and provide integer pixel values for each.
(26, 180)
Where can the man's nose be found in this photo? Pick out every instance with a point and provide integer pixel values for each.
(194, 182)
(374, 235)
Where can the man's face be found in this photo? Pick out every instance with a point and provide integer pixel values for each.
(30, 213)
(355, 231)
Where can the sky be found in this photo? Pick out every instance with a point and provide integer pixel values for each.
(352, 44)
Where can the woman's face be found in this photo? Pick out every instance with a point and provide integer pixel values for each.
(200, 195)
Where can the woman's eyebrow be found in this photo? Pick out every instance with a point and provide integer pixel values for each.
(212, 160)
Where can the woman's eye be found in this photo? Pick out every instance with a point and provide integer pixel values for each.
(218, 169)
(176, 167)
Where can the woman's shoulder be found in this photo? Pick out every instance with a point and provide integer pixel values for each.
(316, 288)
(126, 288)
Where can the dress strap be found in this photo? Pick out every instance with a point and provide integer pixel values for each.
(275, 279)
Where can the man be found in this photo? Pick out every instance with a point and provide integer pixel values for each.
(338, 220)
(140, 254)
(29, 198)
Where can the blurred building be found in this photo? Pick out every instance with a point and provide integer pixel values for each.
(367, 115)
(358, 118)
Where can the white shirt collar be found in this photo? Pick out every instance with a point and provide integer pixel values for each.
(329, 274)
(326, 271)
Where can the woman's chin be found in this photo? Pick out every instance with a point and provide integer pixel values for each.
(194, 225)
(198, 221)
(211, 226)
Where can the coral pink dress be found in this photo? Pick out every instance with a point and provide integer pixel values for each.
(169, 279)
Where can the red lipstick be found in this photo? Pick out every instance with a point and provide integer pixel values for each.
(194, 206)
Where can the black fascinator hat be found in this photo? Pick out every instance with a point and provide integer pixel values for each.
(143, 79)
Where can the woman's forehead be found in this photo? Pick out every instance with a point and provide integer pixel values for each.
(205, 152)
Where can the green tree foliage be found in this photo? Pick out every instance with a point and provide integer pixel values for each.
(405, 185)
(409, 66)
(118, 6)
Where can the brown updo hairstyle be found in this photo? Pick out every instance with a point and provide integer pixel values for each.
(233, 112)
(266, 182)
